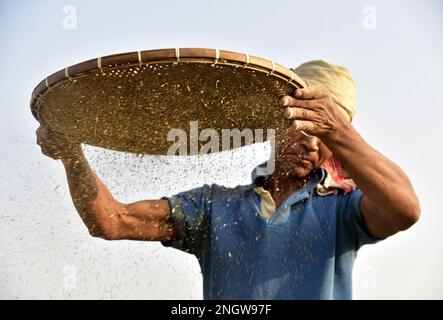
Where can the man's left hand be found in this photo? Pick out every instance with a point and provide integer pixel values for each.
(313, 110)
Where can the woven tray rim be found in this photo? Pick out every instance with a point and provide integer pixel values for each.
(159, 56)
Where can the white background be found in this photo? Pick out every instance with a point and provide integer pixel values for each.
(45, 250)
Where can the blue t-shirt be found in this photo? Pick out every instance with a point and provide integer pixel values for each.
(305, 251)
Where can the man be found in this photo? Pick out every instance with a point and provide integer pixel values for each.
(291, 234)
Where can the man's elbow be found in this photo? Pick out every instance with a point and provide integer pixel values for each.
(410, 216)
(105, 232)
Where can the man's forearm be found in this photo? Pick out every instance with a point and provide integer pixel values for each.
(379, 178)
(81, 179)
(86, 189)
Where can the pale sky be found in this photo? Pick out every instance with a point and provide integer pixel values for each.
(396, 61)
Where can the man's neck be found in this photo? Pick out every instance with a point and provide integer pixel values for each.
(281, 186)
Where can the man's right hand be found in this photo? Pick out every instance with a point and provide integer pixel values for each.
(56, 145)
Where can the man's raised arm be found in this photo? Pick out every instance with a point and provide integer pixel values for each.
(104, 216)
(389, 203)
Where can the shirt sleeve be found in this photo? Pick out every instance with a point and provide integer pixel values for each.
(190, 211)
(351, 216)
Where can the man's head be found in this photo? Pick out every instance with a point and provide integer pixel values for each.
(298, 154)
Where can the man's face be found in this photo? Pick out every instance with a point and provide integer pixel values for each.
(297, 155)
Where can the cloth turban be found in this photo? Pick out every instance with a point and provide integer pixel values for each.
(336, 79)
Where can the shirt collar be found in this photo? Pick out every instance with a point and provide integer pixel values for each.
(261, 172)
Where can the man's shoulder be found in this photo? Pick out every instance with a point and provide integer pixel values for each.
(216, 190)
(334, 195)
(339, 199)
(236, 191)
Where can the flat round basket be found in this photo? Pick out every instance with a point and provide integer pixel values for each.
(131, 101)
